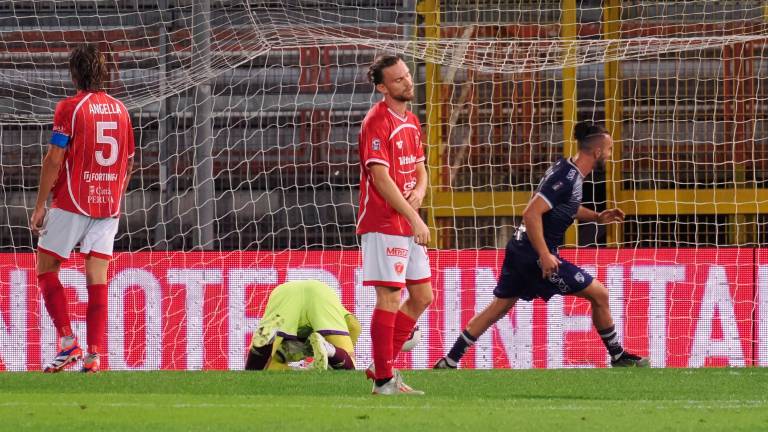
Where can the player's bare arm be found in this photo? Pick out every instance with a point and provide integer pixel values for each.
(128, 173)
(416, 195)
(585, 214)
(388, 190)
(610, 215)
(48, 175)
(535, 231)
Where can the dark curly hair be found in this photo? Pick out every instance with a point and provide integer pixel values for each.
(88, 67)
(584, 131)
(375, 71)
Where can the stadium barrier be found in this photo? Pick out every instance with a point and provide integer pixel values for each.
(196, 310)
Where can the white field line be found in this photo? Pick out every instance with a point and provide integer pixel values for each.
(684, 404)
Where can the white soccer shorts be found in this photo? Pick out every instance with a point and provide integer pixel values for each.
(393, 261)
(63, 230)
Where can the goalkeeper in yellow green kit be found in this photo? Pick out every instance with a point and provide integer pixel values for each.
(304, 319)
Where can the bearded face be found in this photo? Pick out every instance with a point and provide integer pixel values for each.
(605, 151)
(397, 82)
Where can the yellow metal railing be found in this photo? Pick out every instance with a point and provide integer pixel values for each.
(613, 114)
(430, 12)
(569, 32)
(656, 174)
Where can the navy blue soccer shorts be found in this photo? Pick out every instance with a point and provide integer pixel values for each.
(521, 276)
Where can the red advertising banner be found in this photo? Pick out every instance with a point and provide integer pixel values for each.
(196, 310)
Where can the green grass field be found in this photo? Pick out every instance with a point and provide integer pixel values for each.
(540, 400)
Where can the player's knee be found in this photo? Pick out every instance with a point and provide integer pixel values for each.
(96, 276)
(47, 264)
(503, 304)
(598, 295)
(424, 299)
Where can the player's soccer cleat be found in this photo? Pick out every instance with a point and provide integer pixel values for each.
(266, 331)
(443, 364)
(91, 363)
(319, 353)
(395, 386)
(630, 360)
(69, 352)
(413, 340)
(370, 372)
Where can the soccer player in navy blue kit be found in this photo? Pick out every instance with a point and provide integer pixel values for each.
(532, 267)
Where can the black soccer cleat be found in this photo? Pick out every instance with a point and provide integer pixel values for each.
(627, 359)
(443, 364)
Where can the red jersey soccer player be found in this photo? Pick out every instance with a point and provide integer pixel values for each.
(393, 181)
(87, 167)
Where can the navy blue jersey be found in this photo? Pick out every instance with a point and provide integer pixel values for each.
(561, 188)
(521, 274)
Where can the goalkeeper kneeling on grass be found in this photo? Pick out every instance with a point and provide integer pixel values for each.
(304, 319)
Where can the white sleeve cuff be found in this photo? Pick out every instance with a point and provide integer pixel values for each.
(546, 200)
(377, 161)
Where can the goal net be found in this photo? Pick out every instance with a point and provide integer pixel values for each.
(246, 116)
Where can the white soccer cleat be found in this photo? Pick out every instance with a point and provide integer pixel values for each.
(265, 333)
(395, 386)
(69, 352)
(319, 352)
(91, 363)
(413, 340)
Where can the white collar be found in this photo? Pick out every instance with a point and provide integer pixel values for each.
(399, 117)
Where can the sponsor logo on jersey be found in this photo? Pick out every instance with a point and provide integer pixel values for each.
(397, 252)
(407, 160)
(376, 144)
(105, 108)
(92, 176)
(399, 267)
(559, 283)
(100, 199)
(99, 195)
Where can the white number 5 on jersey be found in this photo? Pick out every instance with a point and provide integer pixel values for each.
(101, 127)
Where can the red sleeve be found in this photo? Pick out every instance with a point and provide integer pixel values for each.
(131, 137)
(420, 157)
(62, 124)
(374, 143)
